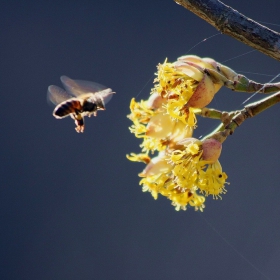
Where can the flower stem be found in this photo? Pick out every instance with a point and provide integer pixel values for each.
(243, 84)
(238, 117)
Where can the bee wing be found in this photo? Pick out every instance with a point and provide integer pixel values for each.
(57, 95)
(79, 87)
(105, 95)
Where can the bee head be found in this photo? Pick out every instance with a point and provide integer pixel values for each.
(103, 97)
(97, 100)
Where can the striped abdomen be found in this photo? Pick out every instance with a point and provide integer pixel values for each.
(68, 107)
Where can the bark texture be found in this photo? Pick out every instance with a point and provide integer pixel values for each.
(232, 23)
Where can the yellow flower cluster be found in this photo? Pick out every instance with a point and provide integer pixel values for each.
(185, 170)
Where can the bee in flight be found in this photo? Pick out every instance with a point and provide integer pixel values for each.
(79, 99)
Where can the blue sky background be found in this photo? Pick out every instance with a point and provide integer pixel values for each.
(70, 204)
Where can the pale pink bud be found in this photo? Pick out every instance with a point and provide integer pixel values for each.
(189, 70)
(205, 63)
(203, 94)
(228, 72)
(212, 62)
(190, 58)
(211, 150)
(155, 101)
(156, 166)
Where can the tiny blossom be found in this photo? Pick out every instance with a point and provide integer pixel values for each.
(176, 87)
(140, 115)
(212, 180)
(179, 174)
(156, 128)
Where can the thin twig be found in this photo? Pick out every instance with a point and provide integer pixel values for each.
(235, 119)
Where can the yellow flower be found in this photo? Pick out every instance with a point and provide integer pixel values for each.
(212, 180)
(157, 128)
(140, 111)
(180, 201)
(179, 173)
(185, 170)
(197, 166)
(176, 87)
(155, 175)
(184, 85)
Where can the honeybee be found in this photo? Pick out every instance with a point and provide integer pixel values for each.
(79, 99)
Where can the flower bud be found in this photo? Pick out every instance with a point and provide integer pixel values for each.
(155, 101)
(211, 150)
(210, 61)
(228, 72)
(203, 94)
(156, 166)
(206, 62)
(188, 70)
(190, 58)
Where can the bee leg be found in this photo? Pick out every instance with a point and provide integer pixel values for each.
(79, 122)
(80, 128)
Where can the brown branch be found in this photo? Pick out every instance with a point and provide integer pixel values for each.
(236, 25)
